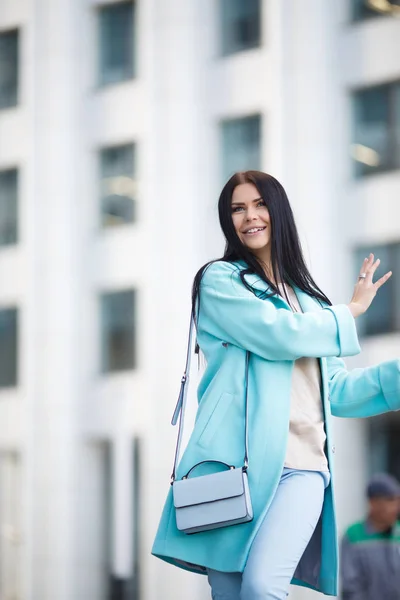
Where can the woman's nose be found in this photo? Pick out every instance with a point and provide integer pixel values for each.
(251, 214)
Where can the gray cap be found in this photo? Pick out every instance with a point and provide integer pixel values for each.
(383, 485)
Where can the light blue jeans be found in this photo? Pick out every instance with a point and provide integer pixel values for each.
(280, 542)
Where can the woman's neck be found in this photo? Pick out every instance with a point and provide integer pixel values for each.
(267, 268)
(264, 259)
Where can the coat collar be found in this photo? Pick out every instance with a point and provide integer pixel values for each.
(306, 302)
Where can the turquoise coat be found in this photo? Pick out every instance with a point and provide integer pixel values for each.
(232, 320)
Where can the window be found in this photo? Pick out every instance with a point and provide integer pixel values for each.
(8, 347)
(8, 206)
(365, 9)
(116, 39)
(384, 444)
(102, 527)
(8, 68)
(376, 138)
(383, 316)
(118, 189)
(96, 488)
(129, 585)
(11, 542)
(240, 25)
(118, 331)
(137, 518)
(241, 145)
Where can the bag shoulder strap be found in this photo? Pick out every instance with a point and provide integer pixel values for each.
(180, 407)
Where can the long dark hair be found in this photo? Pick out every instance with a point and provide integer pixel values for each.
(288, 264)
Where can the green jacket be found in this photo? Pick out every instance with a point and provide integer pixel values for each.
(370, 563)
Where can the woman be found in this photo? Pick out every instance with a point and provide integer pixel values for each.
(261, 298)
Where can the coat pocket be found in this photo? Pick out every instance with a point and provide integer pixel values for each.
(215, 419)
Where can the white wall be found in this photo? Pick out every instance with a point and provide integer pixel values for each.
(63, 411)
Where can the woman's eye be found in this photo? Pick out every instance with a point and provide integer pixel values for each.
(237, 208)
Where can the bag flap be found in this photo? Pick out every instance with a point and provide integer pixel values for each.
(208, 488)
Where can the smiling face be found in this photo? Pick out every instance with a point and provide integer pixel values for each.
(251, 220)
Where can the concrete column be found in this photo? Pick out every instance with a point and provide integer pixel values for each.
(311, 142)
(179, 193)
(55, 223)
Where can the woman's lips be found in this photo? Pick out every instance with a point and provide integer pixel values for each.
(259, 230)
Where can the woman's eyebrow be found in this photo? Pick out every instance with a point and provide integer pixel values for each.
(242, 203)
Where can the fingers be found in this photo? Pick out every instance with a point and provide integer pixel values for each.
(365, 265)
(383, 280)
(374, 266)
(369, 267)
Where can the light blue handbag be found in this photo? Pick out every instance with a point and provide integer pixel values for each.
(210, 501)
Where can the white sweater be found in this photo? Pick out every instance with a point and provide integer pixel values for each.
(306, 441)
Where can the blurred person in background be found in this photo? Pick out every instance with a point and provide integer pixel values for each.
(260, 301)
(370, 557)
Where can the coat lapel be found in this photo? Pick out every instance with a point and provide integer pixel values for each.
(307, 303)
(261, 287)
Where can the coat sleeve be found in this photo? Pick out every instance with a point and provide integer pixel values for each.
(352, 577)
(234, 314)
(363, 392)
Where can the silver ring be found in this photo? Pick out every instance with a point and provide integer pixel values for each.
(362, 276)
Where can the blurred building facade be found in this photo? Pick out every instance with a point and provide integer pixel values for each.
(119, 122)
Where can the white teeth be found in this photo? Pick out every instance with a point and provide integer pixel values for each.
(254, 230)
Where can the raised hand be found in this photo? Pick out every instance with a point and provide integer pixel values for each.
(365, 289)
